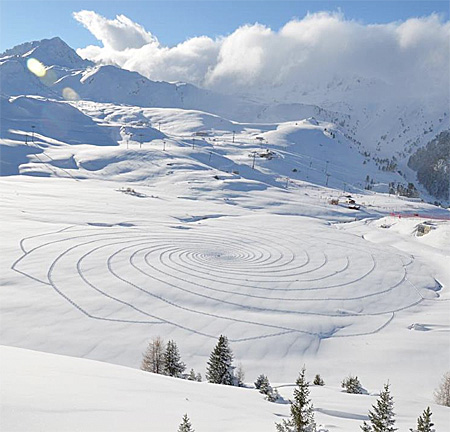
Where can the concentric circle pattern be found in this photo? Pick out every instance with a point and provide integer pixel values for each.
(226, 275)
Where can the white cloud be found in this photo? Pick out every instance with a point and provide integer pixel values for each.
(409, 58)
(116, 35)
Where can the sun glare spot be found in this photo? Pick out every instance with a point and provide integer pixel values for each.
(70, 94)
(36, 67)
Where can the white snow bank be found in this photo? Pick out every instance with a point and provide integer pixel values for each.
(46, 392)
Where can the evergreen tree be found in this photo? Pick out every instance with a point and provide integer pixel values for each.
(185, 425)
(318, 380)
(272, 394)
(173, 366)
(193, 376)
(351, 384)
(153, 359)
(302, 411)
(263, 385)
(261, 380)
(219, 368)
(424, 423)
(382, 416)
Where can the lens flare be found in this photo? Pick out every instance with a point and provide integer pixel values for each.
(50, 78)
(36, 67)
(70, 94)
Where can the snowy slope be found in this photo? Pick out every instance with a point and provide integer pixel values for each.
(191, 257)
(91, 396)
(122, 222)
(380, 127)
(43, 392)
(49, 119)
(52, 51)
(384, 125)
(16, 80)
(66, 70)
(307, 150)
(31, 124)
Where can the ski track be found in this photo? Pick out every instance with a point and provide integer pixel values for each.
(231, 271)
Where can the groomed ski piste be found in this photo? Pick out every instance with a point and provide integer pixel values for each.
(166, 230)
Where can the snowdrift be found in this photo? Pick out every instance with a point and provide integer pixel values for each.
(45, 392)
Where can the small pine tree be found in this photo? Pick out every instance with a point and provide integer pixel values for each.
(173, 366)
(351, 384)
(302, 411)
(153, 358)
(442, 394)
(261, 380)
(219, 368)
(273, 395)
(318, 380)
(263, 385)
(424, 423)
(185, 425)
(382, 416)
(192, 376)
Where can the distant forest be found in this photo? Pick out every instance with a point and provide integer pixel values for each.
(432, 164)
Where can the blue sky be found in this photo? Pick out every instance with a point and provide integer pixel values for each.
(175, 21)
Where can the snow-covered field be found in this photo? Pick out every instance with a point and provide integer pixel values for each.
(122, 223)
(92, 270)
(46, 392)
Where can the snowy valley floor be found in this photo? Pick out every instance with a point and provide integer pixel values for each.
(91, 271)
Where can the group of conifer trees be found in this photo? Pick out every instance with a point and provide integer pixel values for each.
(381, 417)
(165, 359)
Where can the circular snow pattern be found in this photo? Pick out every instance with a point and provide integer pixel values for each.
(232, 277)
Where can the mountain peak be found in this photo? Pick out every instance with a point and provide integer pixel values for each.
(51, 52)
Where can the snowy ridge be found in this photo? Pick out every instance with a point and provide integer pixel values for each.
(66, 70)
(300, 151)
(52, 51)
(384, 134)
